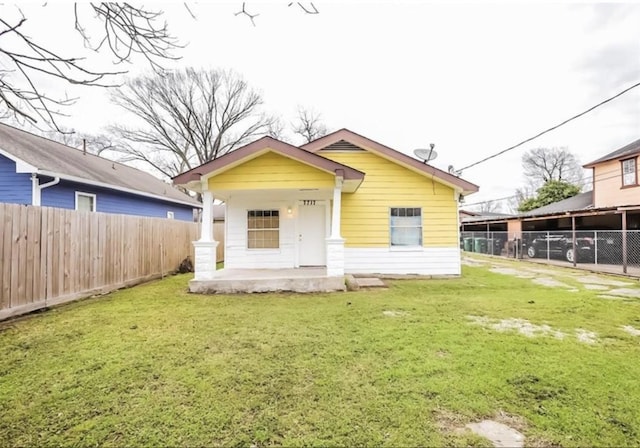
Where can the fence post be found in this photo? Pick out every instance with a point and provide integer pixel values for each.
(573, 240)
(624, 241)
(548, 254)
(595, 239)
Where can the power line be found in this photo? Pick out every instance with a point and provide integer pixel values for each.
(579, 184)
(552, 128)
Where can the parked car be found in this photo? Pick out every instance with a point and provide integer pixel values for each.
(560, 245)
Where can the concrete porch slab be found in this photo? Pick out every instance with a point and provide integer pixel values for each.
(370, 282)
(232, 281)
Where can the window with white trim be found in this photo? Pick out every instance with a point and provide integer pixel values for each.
(405, 225)
(263, 229)
(85, 202)
(629, 172)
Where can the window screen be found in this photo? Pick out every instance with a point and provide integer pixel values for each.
(406, 226)
(263, 229)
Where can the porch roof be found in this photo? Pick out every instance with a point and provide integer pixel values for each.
(192, 178)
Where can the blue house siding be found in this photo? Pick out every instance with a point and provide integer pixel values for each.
(14, 187)
(63, 195)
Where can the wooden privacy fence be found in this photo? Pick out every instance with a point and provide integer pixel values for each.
(50, 255)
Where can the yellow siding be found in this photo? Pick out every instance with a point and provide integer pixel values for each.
(365, 213)
(271, 171)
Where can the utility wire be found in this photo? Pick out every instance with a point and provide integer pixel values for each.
(579, 184)
(552, 128)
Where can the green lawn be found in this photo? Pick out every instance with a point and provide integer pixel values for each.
(154, 365)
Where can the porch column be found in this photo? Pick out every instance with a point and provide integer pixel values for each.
(205, 247)
(335, 242)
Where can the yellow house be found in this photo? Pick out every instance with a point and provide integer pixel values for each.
(342, 204)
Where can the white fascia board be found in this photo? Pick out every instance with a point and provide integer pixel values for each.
(21, 165)
(114, 187)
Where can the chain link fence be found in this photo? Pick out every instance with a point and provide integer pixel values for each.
(607, 250)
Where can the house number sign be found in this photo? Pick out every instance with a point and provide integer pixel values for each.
(309, 202)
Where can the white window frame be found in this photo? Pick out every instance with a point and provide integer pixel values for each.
(170, 215)
(420, 227)
(89, 195)
(633, 172)
(262, 229)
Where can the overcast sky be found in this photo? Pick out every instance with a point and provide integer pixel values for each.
(471, 78)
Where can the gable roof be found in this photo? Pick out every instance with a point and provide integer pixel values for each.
(391, 154)
(629, 150)
(192, 177)
(36, 154)
(580, 201)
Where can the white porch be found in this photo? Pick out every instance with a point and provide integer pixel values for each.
(309, 255)
(230, 281)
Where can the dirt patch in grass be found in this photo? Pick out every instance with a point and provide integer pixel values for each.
(600, 280)
(626, 292)
(586, 336)
(499, 434)
(395, 313)
(521, 326)
(631, 330)
(596, 287)
(526, 328)
(510, 271)
(449, 422)
(609, 297)
(471, 262)
(502, 430)
(553, 283)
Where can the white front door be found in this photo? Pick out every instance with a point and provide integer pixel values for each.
(312, 235)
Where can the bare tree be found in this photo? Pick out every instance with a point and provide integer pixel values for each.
(188, 117)
(308, 125)
(489, 207)
(124, 29)
(542, 165)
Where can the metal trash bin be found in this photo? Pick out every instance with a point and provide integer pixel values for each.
(468, 244)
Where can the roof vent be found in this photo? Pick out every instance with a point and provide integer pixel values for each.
(342, 145)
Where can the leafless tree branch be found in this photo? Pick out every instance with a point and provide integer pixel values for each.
(188, 117)
(546, 164)
(309, 125)
(244, 12)
(126, 30)
(311, 10)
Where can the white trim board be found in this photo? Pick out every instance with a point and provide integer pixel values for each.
(384, 260)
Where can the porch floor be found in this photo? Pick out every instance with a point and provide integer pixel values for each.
(229, 281)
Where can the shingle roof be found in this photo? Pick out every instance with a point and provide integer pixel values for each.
(326, 142)
(580, 201)
(631, 149)
(50, 157)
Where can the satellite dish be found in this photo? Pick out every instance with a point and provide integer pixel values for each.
(426, 155)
